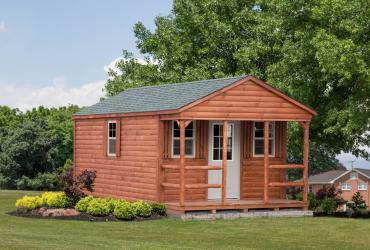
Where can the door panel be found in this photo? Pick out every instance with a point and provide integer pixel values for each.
(233, 159)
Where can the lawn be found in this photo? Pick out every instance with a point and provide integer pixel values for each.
(261, 233)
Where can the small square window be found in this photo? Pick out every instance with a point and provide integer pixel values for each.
(354, 176)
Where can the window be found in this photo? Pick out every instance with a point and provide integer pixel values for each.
(217, 146)
(354, 176)
(258, 143)
(189, 140)
(346, 186)
(362, 186)
(310, 189)
(112, 138)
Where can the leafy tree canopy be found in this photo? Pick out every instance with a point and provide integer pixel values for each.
(316, 51)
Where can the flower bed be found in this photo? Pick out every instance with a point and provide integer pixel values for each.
(58, 205)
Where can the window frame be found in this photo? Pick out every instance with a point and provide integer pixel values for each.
(272, 138)
(347, 185)
(362, 189)
(178, 138)
(232, 141)
(351, 176)
(111, 138)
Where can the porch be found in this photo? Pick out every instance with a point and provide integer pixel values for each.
(273, 196)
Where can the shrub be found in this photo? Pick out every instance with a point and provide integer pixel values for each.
(98, 207)
(142, 208)
(29, 202)
(159, 208)
(312, 202)
(55, 199)
(83, 203)
(23, 183)
(111, 204)
(73, 187)
(329, 206)
(124, 210)
(357, 203)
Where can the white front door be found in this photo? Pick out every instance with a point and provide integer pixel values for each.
(233, 159)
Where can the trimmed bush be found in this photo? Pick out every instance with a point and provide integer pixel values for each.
(124, 210)
(83, 203)
(329, 206)
(111, 204)
(29, 202)
(142, 208)
(55, 199)
(159, 208)
(98, 207)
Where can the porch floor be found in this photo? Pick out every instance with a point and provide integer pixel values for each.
(243, 205)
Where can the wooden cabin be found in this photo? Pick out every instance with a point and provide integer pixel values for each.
(166, 144)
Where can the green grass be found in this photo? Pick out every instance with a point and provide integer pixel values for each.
(261, 233)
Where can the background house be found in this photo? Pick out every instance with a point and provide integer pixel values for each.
(349, 181)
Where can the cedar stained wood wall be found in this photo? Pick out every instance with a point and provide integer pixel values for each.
(252, 171)
(131, 175)
(191, 176)
(247, 101)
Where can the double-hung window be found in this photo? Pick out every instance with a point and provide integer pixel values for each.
(346, 186)
(112, 138)
(258, 139)
(362, 186)
(189, 140)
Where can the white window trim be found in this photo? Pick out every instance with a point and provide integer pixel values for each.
(193, 137)
(348, 187)
(232, 152)
(273, 141)
(108, 138)
(362, 189)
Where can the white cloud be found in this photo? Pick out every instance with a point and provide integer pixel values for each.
(348, 159)
(113, 64)
(57, 94)
(3, 28)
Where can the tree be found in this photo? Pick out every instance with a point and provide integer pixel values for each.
(317, 51)
(358, 203)
(24, 151)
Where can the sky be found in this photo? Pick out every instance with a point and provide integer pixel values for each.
(54, 53)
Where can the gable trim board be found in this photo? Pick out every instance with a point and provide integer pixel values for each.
(233, 82)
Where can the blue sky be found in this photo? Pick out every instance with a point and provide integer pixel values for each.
(56, 52)
(46, 43)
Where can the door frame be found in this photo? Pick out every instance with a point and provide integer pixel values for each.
(236, 149)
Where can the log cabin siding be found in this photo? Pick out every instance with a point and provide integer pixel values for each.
(132, 174)
(252, 172)
(191, 176)
(247, 101)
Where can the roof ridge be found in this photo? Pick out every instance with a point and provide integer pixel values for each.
(180, 83)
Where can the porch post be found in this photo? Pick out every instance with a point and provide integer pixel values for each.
(266, 161)
(305, 159)
(182, 162)
(224, 162)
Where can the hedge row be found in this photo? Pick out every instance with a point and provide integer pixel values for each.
(121, 209)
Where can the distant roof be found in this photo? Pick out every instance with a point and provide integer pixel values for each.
(157, 98)
(331, 176)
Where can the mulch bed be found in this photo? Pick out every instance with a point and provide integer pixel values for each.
(81, 217)
(343, 215)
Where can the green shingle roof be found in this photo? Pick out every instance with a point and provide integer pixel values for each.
(157, 98)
